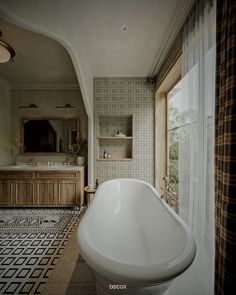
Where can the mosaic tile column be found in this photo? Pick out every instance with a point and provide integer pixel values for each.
(126, 97)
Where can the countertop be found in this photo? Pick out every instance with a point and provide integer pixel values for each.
(41, 168)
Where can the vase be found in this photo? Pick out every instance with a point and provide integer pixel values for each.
(80, 161)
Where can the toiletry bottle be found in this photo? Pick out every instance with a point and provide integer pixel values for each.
(104, 154)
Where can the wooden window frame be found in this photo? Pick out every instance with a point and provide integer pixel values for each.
(172, 77)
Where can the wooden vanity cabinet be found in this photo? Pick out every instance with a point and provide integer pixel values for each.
(46, 192)
(7, 193)
(24, 192)
(42, 188)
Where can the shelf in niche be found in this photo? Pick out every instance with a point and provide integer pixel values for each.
(114, 137)
(119, 147)
(114, 159)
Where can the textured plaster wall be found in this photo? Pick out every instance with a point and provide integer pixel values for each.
(39, 16)
(5, 123)
(125, 97)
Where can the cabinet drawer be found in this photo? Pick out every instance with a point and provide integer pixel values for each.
(17, 175)
(53, 174)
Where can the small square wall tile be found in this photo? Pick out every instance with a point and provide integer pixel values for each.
(121, 98)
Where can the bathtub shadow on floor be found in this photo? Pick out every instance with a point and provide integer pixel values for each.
(72, 275)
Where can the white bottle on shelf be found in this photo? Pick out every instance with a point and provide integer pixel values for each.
(104, 154)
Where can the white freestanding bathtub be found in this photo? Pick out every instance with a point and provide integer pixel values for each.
(132, 240)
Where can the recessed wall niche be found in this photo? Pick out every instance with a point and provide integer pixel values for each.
(115, 138)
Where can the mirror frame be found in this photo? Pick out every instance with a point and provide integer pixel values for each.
(22, 119)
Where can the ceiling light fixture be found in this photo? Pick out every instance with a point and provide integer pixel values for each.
(124, 28)
(6, 51)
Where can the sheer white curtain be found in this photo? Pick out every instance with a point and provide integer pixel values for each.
(196, 138)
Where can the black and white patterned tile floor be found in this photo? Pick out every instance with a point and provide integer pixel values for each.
(27, 259)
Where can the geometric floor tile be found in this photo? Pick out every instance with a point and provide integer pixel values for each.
(28, 258)
(33, 220)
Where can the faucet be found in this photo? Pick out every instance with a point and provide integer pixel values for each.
(32, 162)
(66, 162)
(50, 162)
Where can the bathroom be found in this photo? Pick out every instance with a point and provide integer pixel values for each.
(134, 108)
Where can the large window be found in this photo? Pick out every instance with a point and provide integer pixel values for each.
(174, 123)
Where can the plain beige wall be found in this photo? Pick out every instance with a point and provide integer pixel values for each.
(5, 123)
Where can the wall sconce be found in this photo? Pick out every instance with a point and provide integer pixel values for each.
(30, 106)
(66, 106)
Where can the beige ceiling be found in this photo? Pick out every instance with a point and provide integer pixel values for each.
(96, 25)
(38, 60)
(114, 53)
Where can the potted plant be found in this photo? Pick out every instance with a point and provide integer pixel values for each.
(79, 151)
(16, 145)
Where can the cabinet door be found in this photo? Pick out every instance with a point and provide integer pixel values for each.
(67, 192)
(24, 192)
(46, 192)
(7, 190)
